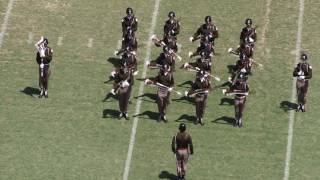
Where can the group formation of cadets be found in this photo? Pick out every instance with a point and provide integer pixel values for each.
(239, 78)
(207, 33)
(128, 65)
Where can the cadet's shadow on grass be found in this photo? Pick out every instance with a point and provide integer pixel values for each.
(31, 91)
(167, 175)
(184, 100)
(151, 97)
(189, 83)
(186, 118)
(110, 113)
(224, 120)
(149, 114)
(114, 61)
(287, 106)
(230, 68)
(108, 96)
(227, 83)
(224, 100)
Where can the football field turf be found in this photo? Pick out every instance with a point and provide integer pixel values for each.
(75, 134)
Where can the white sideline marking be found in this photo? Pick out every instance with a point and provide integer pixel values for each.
(293, 97)
(141, 88)
(90, 42)
(5, 21)
(59, 43)
(267, 20)
(30, 38)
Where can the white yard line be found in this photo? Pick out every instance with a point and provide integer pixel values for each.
(90, 42)
(266, 24)
(59, 43)
(293, 96)
(141, 89)
(30, 38)
(6, 21)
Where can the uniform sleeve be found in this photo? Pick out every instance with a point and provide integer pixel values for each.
(38, 58)
(295, 71)
(242, 34)
(172, 81)
(190, 145)
(173, 144)
(135, 25)
(198, 32)
(177, 28)
(309, 75)
(215, 32)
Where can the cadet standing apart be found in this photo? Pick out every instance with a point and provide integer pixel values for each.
(182, 146)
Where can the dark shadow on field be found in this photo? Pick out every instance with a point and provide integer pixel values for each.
(31, 91)
(225, 120)
(227, 83)
(287, 106)
(167, 175)
(108, 96)
(114, 61)
(229, 101)
(185, 83)
(186, 118)
(151, 97)
(110, 113)
(149, 114)
(230, 68)
(184, 100)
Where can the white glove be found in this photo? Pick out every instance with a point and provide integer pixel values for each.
(185, 65)
(191, 39)
(146, 81)
(230, 79)
(224, 91)
(230, 50)
(302, 77)
(300, 73)
(147, 63)
(115, 53)
(112, 92)
(170, 89)
(251, 40)
(186, 93)
(42, 52)
(41, 65)
(133, 52)
(113, 73)
(190, 53)
(243, 70)
(135, 73)
(125, 84)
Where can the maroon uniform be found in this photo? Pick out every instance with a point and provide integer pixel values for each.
(182, 146)
(129, 22)
(199, 90)
(303, 72)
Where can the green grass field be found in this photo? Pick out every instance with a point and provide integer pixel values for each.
(75, 135)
